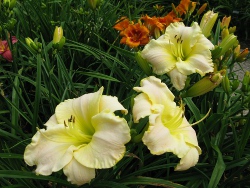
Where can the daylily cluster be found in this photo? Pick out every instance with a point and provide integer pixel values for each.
(84, 134)
(5, 50)
(169, 130)
(139, 34)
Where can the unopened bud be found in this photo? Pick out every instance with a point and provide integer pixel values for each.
(232, 29)
(93, 4)
(226, 84)
(225, 22)
(206, 84)
(143, 63)
(58, 38)
(246, 82)
(207, 22)
(235, 84)
(9, 3)
(224, 33)
(34, 46)
(228, 42)
(242, 55)
(202, 8)
(191, 7)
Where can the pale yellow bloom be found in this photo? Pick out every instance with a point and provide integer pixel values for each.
(181, 51)
(84, 134)
(168, 131)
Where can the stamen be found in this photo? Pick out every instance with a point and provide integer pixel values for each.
(201, 118)
(65, 125)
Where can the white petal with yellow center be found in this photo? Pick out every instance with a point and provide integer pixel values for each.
(77, 173)
(182, 48)
(107, 145)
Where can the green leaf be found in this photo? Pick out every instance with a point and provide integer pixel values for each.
(218, 169)
(151, 181)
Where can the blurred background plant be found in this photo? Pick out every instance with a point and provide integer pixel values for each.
(43, 74)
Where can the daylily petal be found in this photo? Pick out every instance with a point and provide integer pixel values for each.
(82, 109)
(157, 92)
(200, 61)
(7, 55)
(190, 159)
(142, 107)
(189, 133)
(47, 152)
(77, 173)
(159, 140)
(177, 78)
(52, 122)
(107, 145)
(111, 104)
(158, 53)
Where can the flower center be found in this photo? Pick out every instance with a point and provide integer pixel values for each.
(177, 49)
(76, 133)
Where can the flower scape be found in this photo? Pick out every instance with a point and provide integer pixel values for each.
(121, 94)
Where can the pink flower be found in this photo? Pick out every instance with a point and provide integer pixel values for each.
(5, 50)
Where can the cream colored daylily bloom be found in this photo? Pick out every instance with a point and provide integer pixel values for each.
(181, 51)
(168, 131)
(84, 134)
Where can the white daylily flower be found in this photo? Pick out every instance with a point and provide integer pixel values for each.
(168, 131)
(181, 51)
(84, 134)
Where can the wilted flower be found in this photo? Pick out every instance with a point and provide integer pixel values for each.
(168, 131)
(84, 134)
(181, 51)
(5, 50)
(135, 35)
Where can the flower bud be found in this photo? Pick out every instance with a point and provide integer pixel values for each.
(206, 84)
(9, 3)
(232, 29)
(224, 33)
(34, 46)
(240, 57)
(207, 22)
(191, 7)
(226, 84)
(228, 42)
(246, 82)
(203, 7)
(58, 38)
(143, 63)
(225, 22)
(235, 84)
(93, 4)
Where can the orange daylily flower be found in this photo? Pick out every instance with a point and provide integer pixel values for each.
(122, 24)
(183, 7)
(135, 35)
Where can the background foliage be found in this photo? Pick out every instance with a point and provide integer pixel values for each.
(35, 82)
